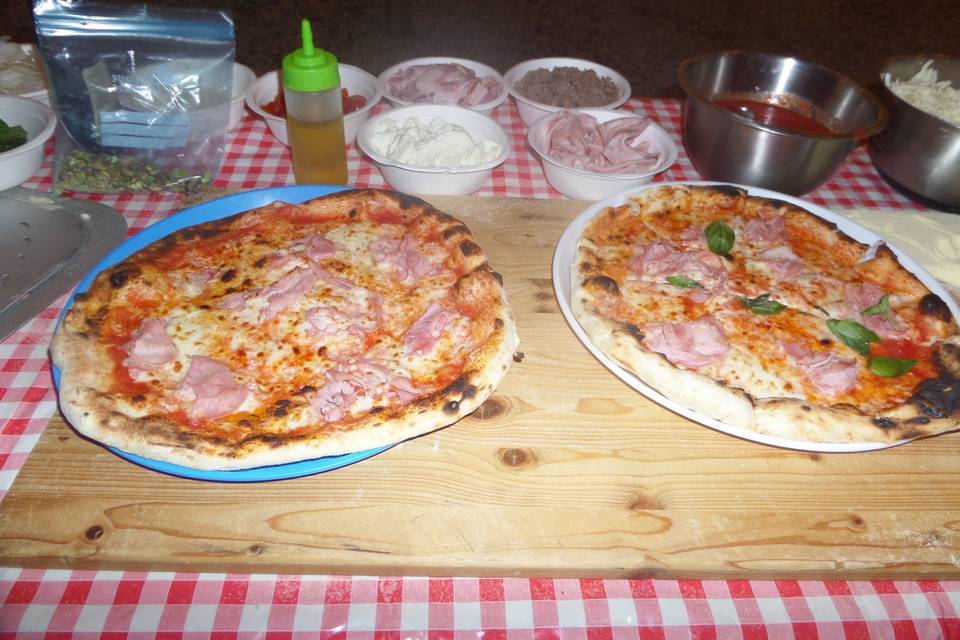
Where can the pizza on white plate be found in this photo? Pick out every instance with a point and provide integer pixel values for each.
(760, 314)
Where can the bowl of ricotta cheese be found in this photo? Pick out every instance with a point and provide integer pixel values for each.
(434, 149)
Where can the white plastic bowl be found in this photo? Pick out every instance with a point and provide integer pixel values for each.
(477, 67)
(531, 110)
(354, 79)
(18, 164)
(243, 77)
(591, 185)
(445, 181)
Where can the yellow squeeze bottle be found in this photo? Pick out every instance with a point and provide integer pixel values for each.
(311, 90)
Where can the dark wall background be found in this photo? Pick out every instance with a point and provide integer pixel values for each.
(643, 40)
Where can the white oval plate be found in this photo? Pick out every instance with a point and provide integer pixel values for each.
(565, 254)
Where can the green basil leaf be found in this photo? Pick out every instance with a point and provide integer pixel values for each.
(853, 334)
(762, 305)
(882, 308)
(11, 137)
(720, 237)
(890, 367)
(684, 282)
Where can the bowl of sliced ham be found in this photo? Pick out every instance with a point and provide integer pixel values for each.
(440, 80)
(589, 154)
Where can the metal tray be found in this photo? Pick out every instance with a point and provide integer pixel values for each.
(47, 243)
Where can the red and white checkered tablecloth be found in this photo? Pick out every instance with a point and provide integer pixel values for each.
(104, 604)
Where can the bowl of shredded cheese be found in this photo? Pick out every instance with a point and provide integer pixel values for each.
(434, 148)
(919, 151)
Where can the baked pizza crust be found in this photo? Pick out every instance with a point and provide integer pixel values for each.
(117, 421)
(934, 409)
(688, 388)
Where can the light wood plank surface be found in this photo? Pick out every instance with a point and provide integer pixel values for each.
(565, 471)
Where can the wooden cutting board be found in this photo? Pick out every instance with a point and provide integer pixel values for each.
(565, 471)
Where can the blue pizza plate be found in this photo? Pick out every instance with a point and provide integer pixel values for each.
(213, 210)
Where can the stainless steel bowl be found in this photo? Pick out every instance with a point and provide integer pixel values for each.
(919, 151)
(732, 147)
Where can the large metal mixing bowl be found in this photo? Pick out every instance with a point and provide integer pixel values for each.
(732, 147)
(919, 151)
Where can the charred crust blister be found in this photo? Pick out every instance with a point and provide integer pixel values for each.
(932, 305)
(938, 397)
(605, 283)
(270, 439)
(728, 190)
(228, 275)
(406, 201)
(633, 331)
(451, 407)
(884, 422)
(122, 274)
(461, 387)
(470, 248)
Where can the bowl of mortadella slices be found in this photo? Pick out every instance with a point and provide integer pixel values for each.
(442, 80)
(589, 154)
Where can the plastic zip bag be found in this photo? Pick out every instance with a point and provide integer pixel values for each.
(142, 94)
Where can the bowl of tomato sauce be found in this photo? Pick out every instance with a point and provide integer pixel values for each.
(361, 91)
(772, 121)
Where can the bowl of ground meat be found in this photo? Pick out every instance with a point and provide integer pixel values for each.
(546, 85)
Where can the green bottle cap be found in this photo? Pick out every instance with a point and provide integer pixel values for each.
(310, 69)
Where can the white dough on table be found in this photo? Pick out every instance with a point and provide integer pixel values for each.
(931, 238)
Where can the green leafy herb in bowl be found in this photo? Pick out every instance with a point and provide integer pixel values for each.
(11, 137)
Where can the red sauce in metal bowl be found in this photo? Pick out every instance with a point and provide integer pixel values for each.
(773, 115)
